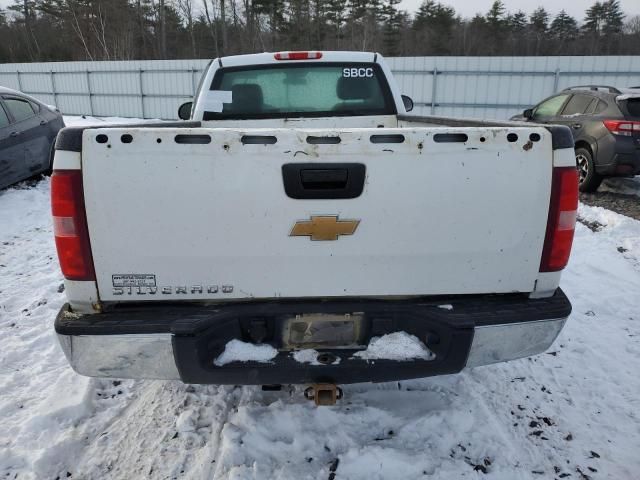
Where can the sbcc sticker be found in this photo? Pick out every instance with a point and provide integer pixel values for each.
(357, 72)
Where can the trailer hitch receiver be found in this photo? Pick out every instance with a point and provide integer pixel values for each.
(323, 394)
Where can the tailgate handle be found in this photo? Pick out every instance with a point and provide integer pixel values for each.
(323, 181)
(330, 178)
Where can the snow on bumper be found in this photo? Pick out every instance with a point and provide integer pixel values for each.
(182, 343)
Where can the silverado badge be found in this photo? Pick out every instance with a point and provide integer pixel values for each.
(324, 227)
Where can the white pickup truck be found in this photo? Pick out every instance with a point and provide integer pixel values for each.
(299, 214)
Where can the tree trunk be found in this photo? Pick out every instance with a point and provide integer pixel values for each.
(223, 27)
(212, 26)
(163, 32)
(143, 38)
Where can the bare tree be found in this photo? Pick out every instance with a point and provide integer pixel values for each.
(79, 32)
(223, 27)
(162, 14)
(211, 22)
(100, 32)
(186, 9)
(141, 25)
(632, 27)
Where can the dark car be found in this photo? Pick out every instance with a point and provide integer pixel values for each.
(605, 122)
(28, 129)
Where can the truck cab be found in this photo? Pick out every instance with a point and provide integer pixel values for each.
(311, 89)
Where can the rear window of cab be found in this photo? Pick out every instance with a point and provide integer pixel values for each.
(299, 90)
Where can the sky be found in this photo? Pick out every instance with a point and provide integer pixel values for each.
(468, 8)
(575, 8)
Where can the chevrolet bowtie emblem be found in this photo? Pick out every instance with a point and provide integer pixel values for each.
(324, 227)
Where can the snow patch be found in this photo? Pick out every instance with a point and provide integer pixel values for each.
(238, 351)
(186, 421)
(89, 121)
(306, 356)
(396, 346)
(619, 234)
(310, 356)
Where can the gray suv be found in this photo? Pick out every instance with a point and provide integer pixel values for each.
(605, 122)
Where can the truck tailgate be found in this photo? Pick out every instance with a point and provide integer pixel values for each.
(203, 213)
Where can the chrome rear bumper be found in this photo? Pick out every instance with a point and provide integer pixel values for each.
(138, 355)
(151, 356)
(500, 343)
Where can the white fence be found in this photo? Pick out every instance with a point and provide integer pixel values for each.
(481, 87)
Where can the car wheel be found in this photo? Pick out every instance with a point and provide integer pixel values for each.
(588, 178)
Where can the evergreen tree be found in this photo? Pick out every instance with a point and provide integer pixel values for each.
(273, 11)
(392, 20)
(496, 24)
(335, 17)
(539, 20)
(516, 27)
(613, 17)
(5, 30)
(564, 26)
(358, 9)
(433, 25)
(26, 16)
(496, 15)
(517, 22)
(298, 24)
(602, 26)
(594, 19)
(432, 14)
(476, 36)
(362, 22)
(539, 25)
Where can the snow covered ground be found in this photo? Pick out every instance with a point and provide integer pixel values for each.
(86, 120)
(573, 412)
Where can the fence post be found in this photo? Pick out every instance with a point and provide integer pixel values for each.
(89, 92)
(556, 80)
(434, 89)
(140, 72)
(53, 89)
(19, 80)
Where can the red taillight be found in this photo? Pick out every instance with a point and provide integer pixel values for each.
(561, 224)
(297, 55)
(70, 225)
(622, 127)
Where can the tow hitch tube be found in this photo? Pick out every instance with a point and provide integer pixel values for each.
(323, 394)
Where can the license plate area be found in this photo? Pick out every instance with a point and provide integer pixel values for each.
(318, 330)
